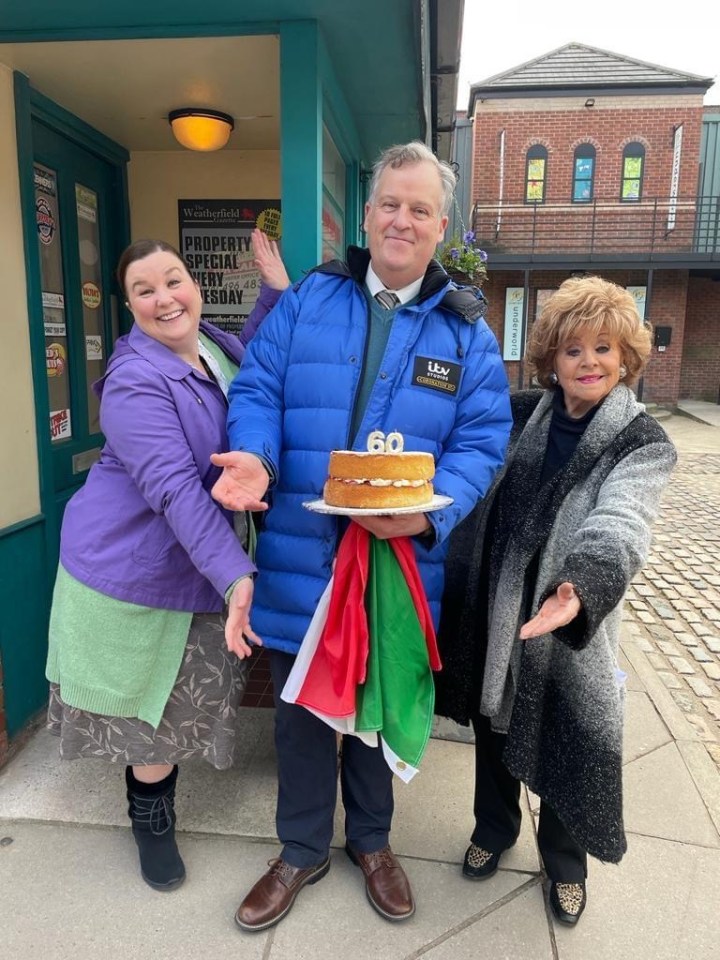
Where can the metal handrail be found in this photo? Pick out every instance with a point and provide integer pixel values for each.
(656, 225)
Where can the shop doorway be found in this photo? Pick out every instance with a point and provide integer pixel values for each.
(78, 197)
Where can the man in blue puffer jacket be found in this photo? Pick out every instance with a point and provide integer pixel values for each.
(332, 363)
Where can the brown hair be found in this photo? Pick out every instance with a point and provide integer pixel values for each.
(138, 251)
(588, 303)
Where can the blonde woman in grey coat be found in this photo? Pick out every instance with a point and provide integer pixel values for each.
(534, 589)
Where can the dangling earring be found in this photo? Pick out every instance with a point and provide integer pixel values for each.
(553, 378)
(622, 371)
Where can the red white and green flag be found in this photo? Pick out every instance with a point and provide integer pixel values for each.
(365, 663)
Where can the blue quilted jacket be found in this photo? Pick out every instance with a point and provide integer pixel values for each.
(441, 384)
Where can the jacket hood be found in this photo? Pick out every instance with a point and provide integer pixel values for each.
(468, 303)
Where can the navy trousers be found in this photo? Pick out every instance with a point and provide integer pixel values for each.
(497, 811)
(307, 758)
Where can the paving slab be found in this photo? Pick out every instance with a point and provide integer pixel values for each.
(632, 682)
(661, 800)
(517, 929)
(644, 729)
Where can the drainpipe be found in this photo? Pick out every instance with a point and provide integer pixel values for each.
(648, 301)
(501, 185)
(523, 328)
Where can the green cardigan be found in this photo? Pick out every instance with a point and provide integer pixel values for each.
(112, 657)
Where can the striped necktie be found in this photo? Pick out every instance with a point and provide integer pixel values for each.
(387, 299)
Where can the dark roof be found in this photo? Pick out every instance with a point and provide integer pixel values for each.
(576, 66)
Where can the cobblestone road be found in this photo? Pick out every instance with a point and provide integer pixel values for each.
(675, 601)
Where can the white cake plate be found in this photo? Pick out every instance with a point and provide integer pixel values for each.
(438, 502)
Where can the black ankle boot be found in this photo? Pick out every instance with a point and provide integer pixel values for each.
(152, 811)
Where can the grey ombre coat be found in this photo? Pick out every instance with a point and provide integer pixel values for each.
(559, 697)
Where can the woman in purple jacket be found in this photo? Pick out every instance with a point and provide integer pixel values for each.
(139, 673)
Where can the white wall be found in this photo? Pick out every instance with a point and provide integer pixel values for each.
(157, 180)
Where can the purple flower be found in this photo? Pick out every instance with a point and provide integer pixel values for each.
(483, 255)
(455, 253)
(468, 237)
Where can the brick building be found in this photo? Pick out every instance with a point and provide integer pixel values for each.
(586, 161)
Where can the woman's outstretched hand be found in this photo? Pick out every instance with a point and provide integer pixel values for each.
(237, 625)
(559, 609)
(268, 261)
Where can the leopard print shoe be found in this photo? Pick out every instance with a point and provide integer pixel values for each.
(568, 901)
(479, 864)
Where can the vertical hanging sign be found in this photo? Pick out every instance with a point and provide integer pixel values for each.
(675, 177)
(512, 339)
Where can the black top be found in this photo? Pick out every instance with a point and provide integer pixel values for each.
(563, 437)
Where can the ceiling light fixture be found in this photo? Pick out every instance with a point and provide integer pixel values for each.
(199, 129)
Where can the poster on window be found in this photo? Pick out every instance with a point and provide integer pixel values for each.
(215, 243)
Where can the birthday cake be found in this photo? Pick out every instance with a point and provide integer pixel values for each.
(382, 476)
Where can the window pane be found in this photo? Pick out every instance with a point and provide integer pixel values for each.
(86, 205)
(631, 190)
(536, 170)
(582, 190)
(333, 201)
(633, 160)
(583, 168)
(53, 302)
(535, 190)
(632, 167)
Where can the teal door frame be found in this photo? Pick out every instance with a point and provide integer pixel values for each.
(310, 97)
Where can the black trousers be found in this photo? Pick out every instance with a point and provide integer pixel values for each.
(497, 811)
(307, 760)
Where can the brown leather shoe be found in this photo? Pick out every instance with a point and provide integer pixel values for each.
(386, 885)
(274, 894)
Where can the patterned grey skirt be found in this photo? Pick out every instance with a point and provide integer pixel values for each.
(198, 721)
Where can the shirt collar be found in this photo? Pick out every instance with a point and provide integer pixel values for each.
(375, 285)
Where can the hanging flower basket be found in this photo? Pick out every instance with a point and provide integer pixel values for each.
(463, 261)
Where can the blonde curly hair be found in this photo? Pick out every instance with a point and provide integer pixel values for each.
(588, 304)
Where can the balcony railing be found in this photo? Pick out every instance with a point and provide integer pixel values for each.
(654, 227)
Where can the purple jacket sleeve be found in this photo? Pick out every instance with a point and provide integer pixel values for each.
(141, 424)
(265, 302)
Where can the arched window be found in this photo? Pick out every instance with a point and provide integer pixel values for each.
(633, 168)
(583, 173)
(535, 174)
